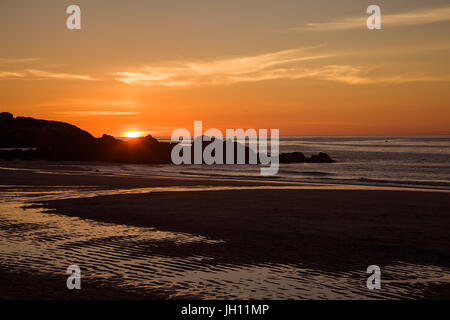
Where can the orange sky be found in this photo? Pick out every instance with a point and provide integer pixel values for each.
(305, 67)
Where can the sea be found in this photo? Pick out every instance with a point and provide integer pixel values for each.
(385, 161)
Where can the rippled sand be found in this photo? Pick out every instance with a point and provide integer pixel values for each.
(161, 259)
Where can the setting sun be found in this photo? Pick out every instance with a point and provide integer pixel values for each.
(133, 134)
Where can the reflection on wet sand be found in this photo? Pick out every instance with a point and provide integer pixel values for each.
(142, 258)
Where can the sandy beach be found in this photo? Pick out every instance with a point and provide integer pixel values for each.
(295, 235)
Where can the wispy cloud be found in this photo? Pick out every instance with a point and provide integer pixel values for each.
(42, 74)
(415, 17)
(98, 113)
(38, 74)
(94, 107)
(287, 64)
(92, 103)
(7, 74)
(267, 66)
(357, 75)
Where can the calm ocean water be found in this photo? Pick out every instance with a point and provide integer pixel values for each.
(396, 161)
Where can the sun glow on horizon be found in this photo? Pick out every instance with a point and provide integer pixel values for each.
(133, 134)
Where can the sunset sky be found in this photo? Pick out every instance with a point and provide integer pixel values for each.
(305, 67)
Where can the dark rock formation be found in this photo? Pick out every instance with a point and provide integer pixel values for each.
(24, 132)
(27, 139)
(298, 157)
(293, 157)
(320, 158)
(53, 140)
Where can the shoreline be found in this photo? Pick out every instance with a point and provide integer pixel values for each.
(78, 174)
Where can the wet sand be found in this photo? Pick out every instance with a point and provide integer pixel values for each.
(45, 173)
(239, 243)
(336, 230)
(31, 286)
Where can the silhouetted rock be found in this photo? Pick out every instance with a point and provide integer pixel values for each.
(298, 157)
(320, 158)
(23, 132)
(53, 140)
(292, 157)
(234, 149)
(29, 138)
(4, 116)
